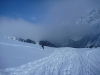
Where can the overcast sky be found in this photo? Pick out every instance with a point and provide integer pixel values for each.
(42, 18)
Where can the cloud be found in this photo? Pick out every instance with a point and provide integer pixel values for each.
(62, 17)
(24, 29)
(68, 11)
(19, 27)
(57, 24)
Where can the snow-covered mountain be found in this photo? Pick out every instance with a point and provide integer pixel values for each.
(14, 38)
(91, 17)
(20, 39)
(92, 38)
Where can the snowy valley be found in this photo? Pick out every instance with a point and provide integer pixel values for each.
(50, 37)
(18, 58)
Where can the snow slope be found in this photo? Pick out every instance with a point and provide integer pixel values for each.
(15, 53)
(51, 61)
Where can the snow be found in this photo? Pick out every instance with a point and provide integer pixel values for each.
(92, 17)
(15, 53)
(18, 58)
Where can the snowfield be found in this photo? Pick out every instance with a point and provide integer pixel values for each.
(18, 58)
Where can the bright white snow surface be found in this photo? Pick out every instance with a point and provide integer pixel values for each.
(18, 58)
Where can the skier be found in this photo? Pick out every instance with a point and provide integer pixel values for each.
(42, 46)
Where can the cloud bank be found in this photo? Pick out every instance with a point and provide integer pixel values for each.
(58, 23)
(19, 28)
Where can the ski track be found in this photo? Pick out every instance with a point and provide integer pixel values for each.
(63, 61)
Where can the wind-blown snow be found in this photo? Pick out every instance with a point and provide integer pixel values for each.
(58, 61)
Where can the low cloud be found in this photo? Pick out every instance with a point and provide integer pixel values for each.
(58, 23)
(19, 28)
(62, 17)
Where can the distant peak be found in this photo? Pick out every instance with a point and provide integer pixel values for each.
(90, 17)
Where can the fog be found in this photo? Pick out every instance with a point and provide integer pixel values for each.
(58, 23)
(18, 28)
(61, 19)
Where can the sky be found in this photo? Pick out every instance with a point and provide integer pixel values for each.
(42, 19)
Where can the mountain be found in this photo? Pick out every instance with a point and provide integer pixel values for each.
(30, 41)
(21, 39)
(91, 38)
(15, 38)
(46, 43)
(91, 17)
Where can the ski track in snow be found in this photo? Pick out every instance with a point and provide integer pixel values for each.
(63, 61)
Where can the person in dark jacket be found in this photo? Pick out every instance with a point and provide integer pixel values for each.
(42, 46)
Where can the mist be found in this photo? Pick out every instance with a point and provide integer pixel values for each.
(19, 28)
(58, 23)
(61, 19)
